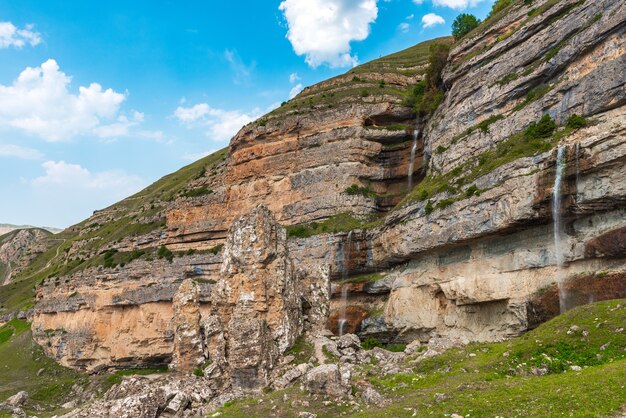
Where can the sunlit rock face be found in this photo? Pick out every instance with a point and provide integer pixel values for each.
(463, 263)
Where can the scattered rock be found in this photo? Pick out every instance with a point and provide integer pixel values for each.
(325, 379)
(371, 397)
(18, 399)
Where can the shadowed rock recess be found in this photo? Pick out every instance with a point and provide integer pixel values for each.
(237, 256)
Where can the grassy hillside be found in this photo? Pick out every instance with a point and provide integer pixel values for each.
(139, 214)
(573, 365)
(364, 83)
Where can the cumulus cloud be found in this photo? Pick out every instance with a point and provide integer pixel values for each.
(221, 124)
(16, 151)
(12, 36)
(322, 30)
(456, 4)
(295, 90)
(431, 19)
(79, 178)
(404, 27)
(40, 103)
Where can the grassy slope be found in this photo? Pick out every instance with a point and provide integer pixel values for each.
(20, 294)
(21, 359)
(495, 379)
(349, 87)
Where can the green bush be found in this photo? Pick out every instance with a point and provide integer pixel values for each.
(429, 208)
(472, 191)
(500, 5)
(164, 252)
(355, 190)
(576, 122)
(464, 24)
(427, 95)
(200, 191)
(542, 129)
(371, 342)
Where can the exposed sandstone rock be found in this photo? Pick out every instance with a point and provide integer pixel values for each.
(18, 248)
(255, 306)
(188, 339)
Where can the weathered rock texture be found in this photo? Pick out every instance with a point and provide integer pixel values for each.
(18, 248)
(466, 263)
(255, 312)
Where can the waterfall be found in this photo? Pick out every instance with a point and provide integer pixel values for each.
(341, 319)
(342, 309)
(577, 163)
(556, 217)
(416, 133)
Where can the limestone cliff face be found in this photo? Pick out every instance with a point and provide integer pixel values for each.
(464, 251)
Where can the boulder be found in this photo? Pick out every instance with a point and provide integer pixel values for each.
(326, 380)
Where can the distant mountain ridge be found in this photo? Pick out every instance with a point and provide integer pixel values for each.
(6, 228)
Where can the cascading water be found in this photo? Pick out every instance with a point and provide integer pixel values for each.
(416, 133)
(556, 217)
(342, 320)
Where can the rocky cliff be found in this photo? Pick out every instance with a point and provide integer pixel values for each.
(401, 226)
(18, 249)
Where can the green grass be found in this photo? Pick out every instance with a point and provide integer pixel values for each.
(342, 222)
(365, 278)
(21, 359)
(537, 138)
(147, 203)
(353, 87)
(477, 380)
(301, 349)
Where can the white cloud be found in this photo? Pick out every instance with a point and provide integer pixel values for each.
(222, 124)
(10, 150)
(293, 77)
(77, 178)
(322, 30)
(418, 2)
(242, 73)
(121, 127)
(295, 90)
(39, 103)
(431, 19)
(404, 27)
(456, 4)
(410, 17)
(10, 35)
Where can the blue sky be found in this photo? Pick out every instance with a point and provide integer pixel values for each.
(100, 99)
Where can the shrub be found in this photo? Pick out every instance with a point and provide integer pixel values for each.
(164, 252)
(542, 129)
(464, 24)
(355, 190)
(198, 372)
(371, 342)
(440, 149)
(576, 122)
(365, 93)
(500, 5)
(382, 84)
(429, 208)
(472, 190)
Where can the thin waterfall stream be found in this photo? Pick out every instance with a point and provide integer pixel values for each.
(556, 218)
(416, 133)
(342, 320)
